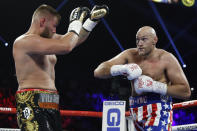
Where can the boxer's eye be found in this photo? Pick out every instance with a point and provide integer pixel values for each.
(144, 39)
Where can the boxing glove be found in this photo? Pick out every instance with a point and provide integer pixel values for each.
(96, 14)
(147, 84)
(77, 17)
(132, 71)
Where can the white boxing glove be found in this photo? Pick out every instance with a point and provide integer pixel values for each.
(132, 71)
(147, 84)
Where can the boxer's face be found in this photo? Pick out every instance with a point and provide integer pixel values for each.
(50, 27)
(144, 42)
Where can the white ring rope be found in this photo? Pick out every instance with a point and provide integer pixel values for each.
(185, 127)
(174, 128)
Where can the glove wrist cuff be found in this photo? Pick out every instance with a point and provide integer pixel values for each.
(161, 88)
(75, 26)
(89, 25)
(115, 70)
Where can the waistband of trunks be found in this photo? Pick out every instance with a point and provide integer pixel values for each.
(149, 98)
(48, 100)
(37, 89)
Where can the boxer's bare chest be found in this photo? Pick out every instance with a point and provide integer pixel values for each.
(154, 68)
(45, 61)
(52, 59)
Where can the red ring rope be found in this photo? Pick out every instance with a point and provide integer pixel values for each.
(185, 104)
(7, 110)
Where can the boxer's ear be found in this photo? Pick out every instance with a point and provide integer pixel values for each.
(155, 39)
(42, 22)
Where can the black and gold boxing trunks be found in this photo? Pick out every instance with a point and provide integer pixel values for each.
(38, 110)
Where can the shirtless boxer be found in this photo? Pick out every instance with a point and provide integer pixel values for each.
(34, 54)
(155, 76)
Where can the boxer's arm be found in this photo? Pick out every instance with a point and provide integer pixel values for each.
(34, 44)
(103, 70)
(83, 35)
(179, 87)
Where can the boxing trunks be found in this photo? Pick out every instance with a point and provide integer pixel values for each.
(38, 110)
(151, 112)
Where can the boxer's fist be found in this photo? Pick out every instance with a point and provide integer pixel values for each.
(132, 71)
(79, 13)
(77, 17)
(96, 14)
(147, 84)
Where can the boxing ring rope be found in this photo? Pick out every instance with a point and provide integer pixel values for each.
(182, 105)
(186, 104)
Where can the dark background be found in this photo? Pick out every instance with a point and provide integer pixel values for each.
(78, 88)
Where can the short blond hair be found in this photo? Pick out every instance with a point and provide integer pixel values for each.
(45, 10)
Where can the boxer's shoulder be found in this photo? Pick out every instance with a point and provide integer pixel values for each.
(131, 51)
(164, 55)
(24, 38)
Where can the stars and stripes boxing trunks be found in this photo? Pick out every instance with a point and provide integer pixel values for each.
(151, 112)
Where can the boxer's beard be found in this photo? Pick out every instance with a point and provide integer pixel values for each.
(145, 52)
(46, 33)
